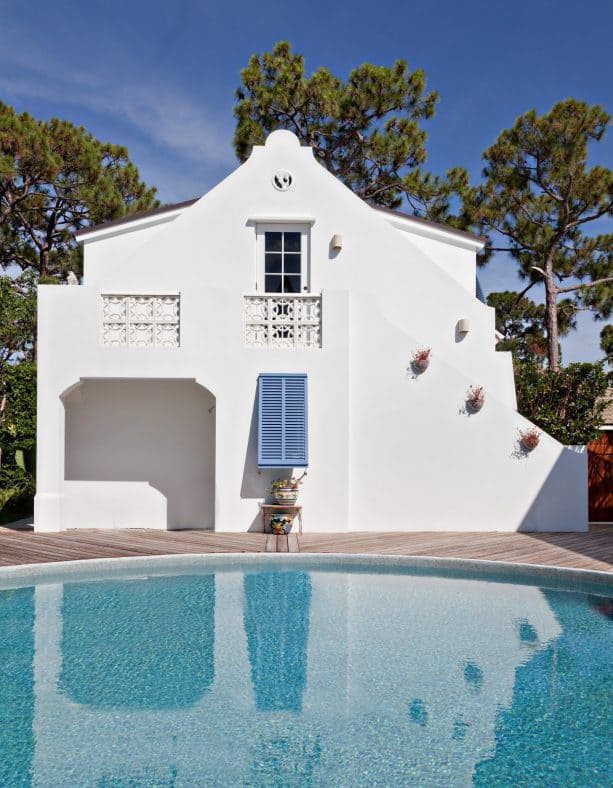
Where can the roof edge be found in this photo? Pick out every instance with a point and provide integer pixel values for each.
(429, 223)
(186, 203)
(133, 217)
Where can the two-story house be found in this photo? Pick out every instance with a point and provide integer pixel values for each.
(269, 326)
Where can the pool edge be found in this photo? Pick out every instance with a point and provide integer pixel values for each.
(90, 568)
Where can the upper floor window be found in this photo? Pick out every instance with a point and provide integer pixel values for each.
(283, 259)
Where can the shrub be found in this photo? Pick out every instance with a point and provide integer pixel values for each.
(566, 404)
(18, 436)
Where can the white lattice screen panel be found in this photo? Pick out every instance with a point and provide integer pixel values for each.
(283, 321)
(140, 320)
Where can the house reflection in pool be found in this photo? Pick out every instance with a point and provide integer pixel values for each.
(127, 646)
(276, 620)
(544, 692)
(325, 679)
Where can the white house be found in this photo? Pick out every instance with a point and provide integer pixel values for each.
(148, 412)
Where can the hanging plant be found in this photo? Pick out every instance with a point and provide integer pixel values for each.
(475, 398)
(529, 438)
(421, 360)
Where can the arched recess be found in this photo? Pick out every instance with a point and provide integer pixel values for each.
(161, 432)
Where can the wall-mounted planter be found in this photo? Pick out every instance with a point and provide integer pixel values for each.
(475, 398)
(421, 360)
(529, 439)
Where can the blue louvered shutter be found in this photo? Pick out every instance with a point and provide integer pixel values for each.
(270, 420)
(282, 421)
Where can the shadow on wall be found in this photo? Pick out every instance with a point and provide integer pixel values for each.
(256, 481)
(156, 431)
(549, 511)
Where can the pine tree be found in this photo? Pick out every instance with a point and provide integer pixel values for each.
(366, 130)
(56, 178)
(539, 196)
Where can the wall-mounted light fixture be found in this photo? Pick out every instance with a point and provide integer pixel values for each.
(463, 325)
(337, 241)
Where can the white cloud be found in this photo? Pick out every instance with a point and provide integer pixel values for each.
(160, 114)
(160, 111)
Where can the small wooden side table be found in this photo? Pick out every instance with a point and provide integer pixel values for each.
(281, 508)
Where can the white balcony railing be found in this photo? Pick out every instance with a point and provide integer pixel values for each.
(140, 320)
(283, 321)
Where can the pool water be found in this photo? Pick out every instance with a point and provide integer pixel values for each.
(304, 677)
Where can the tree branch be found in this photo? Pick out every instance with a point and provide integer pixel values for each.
(605, 281)
(591, 217)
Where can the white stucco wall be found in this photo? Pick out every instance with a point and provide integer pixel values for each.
(119, 240)
(387, 451)
(453, 257)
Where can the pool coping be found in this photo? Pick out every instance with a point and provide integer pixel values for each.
(102, 568)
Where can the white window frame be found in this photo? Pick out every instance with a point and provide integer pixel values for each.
(305, 252)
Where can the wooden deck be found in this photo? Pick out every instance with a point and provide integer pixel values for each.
(593, 550)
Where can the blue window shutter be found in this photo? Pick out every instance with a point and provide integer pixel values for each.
(282, 421)
(270, 420)
(295, 421)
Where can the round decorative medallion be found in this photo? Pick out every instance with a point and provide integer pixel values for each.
(282, 180)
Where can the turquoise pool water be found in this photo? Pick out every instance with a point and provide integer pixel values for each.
(305, 677)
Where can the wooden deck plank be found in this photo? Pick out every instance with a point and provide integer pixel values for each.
(592, 550)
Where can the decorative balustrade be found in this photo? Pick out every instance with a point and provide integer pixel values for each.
(283, 321)
(140, 320)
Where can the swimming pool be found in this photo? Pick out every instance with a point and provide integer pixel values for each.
(303, 673)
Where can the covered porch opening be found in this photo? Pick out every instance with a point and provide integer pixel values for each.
(120, 433)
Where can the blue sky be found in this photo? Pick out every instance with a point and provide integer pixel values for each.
(160, 77)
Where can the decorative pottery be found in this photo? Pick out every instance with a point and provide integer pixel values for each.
(281, 523)
(286, 495)
(529, 440)
(475, 399)
(420, 366)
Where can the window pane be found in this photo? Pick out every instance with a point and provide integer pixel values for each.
(273, 263)
(273, 284)
(292, 242)
(291, 263)
(291, 284)
(272, 242)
